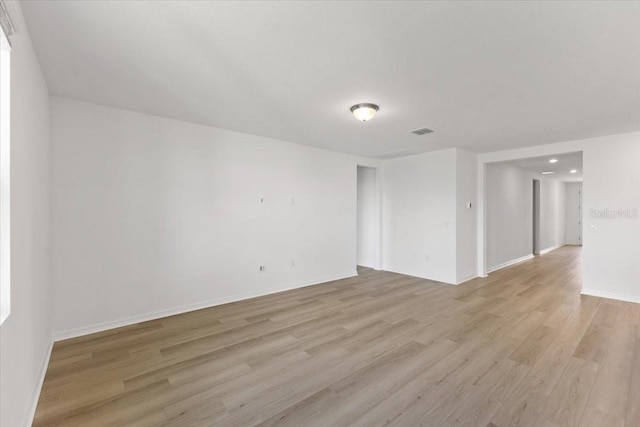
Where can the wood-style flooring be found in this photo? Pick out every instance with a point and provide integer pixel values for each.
(519, 348)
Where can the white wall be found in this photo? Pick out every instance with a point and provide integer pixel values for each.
(552, 215)
(368, 243)
(419, 215)
(509, 213)
(466, 190)
(152, 215)
(573, 220)
(25, 336)
(611, 255)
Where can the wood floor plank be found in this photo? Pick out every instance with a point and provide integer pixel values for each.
(611, 389)
(487, 395)
(632, 412)
(521, 347)
(594, 417)
(568, 399)
(523, 406)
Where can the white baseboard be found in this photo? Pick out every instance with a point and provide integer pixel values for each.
(91, 329)
(466, 279)
(553, 248)
(377, 267)
(413, 274)
(35, 396)
(610, 295)
(508, 263)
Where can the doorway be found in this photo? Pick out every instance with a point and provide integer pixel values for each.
(522, 206)
(536, 217)
(573, 211)
(368, 219)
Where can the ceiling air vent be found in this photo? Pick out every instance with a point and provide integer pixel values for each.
(421, 131)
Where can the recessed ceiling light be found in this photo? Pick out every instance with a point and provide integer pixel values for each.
(547, 173)
(553, 161)
(573, 171)
(364, 111)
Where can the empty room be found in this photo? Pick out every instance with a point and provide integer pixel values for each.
(292, 213)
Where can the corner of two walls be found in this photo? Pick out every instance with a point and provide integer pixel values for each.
(26, 334)
(428, 230)
(368, 210)
(466, 215)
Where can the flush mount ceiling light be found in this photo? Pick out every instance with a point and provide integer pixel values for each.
(573, 171)
(364, 111)
(553, 161)
(547, 173)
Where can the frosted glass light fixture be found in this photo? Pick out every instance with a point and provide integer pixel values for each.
(364, 111)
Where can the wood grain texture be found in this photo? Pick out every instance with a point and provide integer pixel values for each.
(521, 347)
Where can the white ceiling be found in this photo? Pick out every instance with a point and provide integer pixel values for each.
(565, 163)
(483, 76)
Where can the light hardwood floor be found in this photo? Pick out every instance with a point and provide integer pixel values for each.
(519, 348)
